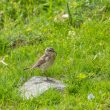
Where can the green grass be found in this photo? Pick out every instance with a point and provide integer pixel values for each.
(83, 54)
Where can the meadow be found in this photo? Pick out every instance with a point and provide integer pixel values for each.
(82, 43)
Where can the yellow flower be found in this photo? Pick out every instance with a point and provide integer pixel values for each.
(28, 29)
(74, 4)
(82, 75)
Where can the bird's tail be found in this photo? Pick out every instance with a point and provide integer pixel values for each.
(27, 68)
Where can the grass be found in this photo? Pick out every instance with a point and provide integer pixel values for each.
(82, 61)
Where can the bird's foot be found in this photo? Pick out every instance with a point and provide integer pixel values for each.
(49, 80)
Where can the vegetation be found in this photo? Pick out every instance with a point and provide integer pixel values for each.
(82, 41)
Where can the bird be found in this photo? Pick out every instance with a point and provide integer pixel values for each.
(45, 61)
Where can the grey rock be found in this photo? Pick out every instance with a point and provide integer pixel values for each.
(37, 85)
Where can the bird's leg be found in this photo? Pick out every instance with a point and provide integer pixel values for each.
(46, 76)
(44, 72)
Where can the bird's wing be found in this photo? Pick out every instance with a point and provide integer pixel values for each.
(41, 61)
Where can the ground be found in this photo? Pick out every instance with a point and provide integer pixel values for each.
(83, 52)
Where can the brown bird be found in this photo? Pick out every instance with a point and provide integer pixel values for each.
(46, 60)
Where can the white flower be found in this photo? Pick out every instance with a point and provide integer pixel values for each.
(90, 96)
(65, 16)
(3, 62)
(71, 33)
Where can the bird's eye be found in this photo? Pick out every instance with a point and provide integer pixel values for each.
(51, 50)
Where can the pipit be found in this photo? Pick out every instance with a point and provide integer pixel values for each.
(45, 61)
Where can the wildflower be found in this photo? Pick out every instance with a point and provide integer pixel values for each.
(3, 62)
(90, 96)
(71, 33)
(82, 76)
(65, 16)
(28, 29)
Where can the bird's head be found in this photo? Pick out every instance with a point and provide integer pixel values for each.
(50, 50)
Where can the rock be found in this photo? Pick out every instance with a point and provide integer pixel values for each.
(38, 85)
